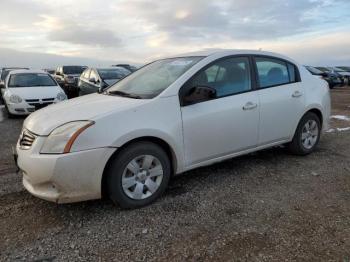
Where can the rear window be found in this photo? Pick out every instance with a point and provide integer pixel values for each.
(73, 70)
(113, 73)
(274, 72)
(30, 80)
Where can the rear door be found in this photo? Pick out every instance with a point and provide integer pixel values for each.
(281, 98)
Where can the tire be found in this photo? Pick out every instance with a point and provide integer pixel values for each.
(300, 145)
(119, 173)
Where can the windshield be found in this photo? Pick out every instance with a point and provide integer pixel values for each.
(118, 73)
(30, 79)
(345, 68)
(337, 69)
(313, 70)
(152, 79)
(73, 70)
(324, 69)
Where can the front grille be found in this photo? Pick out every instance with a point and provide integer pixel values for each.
(48, 99)
(41, 105)
(26, 139)
(32, 100)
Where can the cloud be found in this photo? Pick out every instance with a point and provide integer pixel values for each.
(142, 30)
(19, 14)
(236, 20)
(85, 36)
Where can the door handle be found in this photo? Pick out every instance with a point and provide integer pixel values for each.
(250, 106)
(297, 94)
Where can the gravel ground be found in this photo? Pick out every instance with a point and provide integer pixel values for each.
(266, 206)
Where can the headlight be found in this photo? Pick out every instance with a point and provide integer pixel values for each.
(62, 138)
(61, 96)
(15, 99)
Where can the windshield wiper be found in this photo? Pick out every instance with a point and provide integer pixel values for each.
(121, 93)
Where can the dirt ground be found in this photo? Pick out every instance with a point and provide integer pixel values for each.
(266, 206)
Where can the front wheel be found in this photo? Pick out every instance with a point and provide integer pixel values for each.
(307, 135)
(138, 175)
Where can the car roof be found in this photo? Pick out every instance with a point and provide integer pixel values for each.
(31, 71)
(227, 52)
(12, 68)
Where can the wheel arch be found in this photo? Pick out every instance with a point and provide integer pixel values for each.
(317, 112)
(314, 109)
(156, 140)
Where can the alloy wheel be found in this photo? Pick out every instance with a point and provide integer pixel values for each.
(142, 177)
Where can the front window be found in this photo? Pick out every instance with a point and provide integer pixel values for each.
(152, 79)
(227, 76)
(73, 70)
(30, 80)
(106, 74)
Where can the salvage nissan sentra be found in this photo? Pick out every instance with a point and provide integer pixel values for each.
(168, 117)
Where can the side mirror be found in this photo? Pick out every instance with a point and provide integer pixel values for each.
(2, 85)
(199, 94)
(92, 80)
(324, 74)
(102, 88)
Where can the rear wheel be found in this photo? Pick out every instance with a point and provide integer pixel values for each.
(307, 135)
(138, 175)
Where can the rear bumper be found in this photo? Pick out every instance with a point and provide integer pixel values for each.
(63, 178)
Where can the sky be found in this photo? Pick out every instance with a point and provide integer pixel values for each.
(46, 33)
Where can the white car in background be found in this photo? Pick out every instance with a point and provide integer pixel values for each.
(25, 91)
(170, 116)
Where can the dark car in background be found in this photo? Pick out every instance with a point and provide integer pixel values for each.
(131, 68)
(345, 68)
(344, 73)
(67, 77)
(6, 70)
(332, 73)
(50, 71)
(331, 79)
(93, 80)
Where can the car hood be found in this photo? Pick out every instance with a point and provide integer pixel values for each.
(88, 107)
(38, 92)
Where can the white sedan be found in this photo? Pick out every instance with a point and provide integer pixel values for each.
(25, 91)
(170, 116)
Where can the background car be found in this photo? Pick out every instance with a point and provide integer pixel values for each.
(127, 66)
(95, 79)
(67, 77)
(345, 68)
(50, 71)
(25, 91)
(342, 72)
(6, 70)
(333, 78)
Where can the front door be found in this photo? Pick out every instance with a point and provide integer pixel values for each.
(227, 123)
